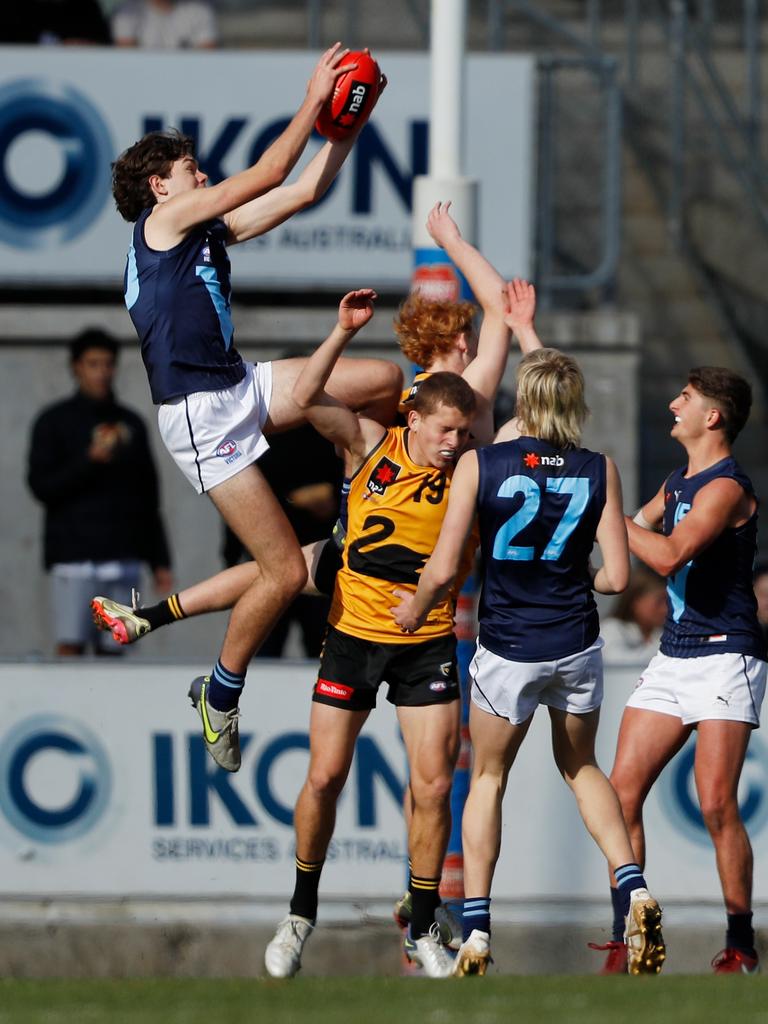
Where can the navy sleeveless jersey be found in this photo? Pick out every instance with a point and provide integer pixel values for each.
(538, 508)
(179, 302)
(710, 600)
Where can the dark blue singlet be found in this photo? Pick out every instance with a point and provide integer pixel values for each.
(711, 606)
(179, 302)
(539, 508)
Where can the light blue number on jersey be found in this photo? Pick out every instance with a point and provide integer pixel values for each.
(576, 486)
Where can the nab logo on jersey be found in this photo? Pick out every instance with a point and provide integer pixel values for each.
(385, 473)
(532, 460)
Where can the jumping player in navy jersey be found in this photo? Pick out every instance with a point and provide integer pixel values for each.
(214, 408)
(700, 532)
(541, 502)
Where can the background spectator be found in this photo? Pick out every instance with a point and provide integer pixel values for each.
(306, 475)
(165, 24)
(633, 628)
(91, 467)
(75, 22)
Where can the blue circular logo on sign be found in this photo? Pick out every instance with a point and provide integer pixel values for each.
(37, 752)
(66, 119)
(677, 791)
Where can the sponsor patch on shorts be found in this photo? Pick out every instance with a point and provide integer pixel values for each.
(439, 686)
(337, 690)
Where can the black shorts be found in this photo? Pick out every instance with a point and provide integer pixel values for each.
(417, 674)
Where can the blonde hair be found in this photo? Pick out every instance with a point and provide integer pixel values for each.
(426, 328)
(550, 397)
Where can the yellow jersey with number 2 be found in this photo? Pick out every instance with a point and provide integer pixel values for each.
(396, 509)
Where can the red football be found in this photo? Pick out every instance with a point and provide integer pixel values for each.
(352, 99)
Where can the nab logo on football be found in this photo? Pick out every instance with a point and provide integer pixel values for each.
(385, 473)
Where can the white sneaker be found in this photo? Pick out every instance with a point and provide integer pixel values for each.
(429, 953)
(282, 957)
(645, 944)
(474, 955)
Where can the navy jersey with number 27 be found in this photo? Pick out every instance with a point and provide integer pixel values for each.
(539, 508)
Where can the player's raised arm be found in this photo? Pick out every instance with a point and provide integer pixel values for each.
(328, 416)
(441, 568)
(267, 211)
(519, 300)
(485, 371)
(177, 211)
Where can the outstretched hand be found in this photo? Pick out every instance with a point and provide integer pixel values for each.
(441, 225)
(327, 70)
(356, 309)
(519, 303)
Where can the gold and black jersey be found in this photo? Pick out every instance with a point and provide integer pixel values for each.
(396, 509)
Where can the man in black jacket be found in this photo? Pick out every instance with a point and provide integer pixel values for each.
(91, 466)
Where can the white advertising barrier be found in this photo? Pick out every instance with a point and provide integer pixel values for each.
(65, 114)
(106, 789)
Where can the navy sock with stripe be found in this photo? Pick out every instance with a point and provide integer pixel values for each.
(475, 916)
(225, 688)
(628, 878)
(618, 915)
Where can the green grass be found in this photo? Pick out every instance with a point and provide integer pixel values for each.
(511, 1000)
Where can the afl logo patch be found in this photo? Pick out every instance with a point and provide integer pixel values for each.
(439, 686)
(384, 473)
(226, 448)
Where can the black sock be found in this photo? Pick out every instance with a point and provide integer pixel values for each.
(304, 899)
(426, 899)
(740, 934)
(618, 915)
(164, 613)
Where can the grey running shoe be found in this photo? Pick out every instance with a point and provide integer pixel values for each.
(429, 953)
(282, 957)
(123, 622)
(474, 955)
(449, 924)
(645, 944)
(220, 729)
(402, 910)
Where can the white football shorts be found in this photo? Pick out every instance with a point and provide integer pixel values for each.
(729, 687)
(211, 435)
(514, 689)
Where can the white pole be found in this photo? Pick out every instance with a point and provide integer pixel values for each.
(446, 141)
(447, 78)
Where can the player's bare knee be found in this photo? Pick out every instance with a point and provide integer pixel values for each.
(326, 782)
(431, 792)
(719, 812)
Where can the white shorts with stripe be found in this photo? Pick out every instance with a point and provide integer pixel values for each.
(211, 435)
(727, 687)
(514, 689)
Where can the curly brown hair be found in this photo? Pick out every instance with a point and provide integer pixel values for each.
(426, 328)
(154, 154)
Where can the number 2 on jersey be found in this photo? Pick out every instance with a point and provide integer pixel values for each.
(504, 548)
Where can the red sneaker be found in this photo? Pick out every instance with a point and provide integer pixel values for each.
(734, 961)
(616, 961)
